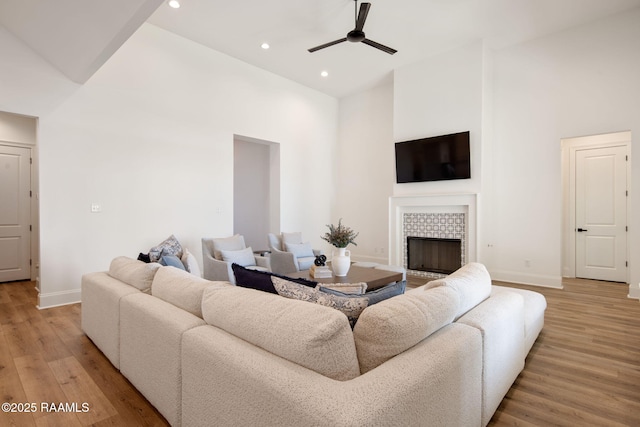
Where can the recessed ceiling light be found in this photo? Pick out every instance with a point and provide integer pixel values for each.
(324, 73)
(174, 4)
(265, 46)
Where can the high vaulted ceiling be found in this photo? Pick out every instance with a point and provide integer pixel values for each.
(77, 36)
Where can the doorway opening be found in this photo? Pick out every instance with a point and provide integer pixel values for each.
(596, 173)
(256, 190)
(19, 210)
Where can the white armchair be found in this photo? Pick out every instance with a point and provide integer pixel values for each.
(289, 253)
(219, 253)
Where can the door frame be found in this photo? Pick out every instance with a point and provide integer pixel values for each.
(569, 148)
(34, 249)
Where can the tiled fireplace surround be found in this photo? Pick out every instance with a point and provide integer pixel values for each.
(448, 216)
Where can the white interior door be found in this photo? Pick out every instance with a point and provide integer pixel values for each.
(601, 213)
(15, 214)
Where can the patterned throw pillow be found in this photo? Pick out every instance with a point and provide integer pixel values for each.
(170, 246)
(347, 288)
(351, 307)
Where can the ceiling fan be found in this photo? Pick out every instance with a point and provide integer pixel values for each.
(357, 35)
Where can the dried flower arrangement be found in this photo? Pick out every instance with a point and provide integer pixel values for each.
(340, 236)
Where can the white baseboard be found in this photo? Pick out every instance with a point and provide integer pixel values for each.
(527, 279)
(634, 291)
(55, 299)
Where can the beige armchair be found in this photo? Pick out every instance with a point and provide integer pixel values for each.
(219, 253)
(289, 253)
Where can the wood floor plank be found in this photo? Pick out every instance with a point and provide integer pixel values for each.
(11, 389)
(39, 383)
(80, 390)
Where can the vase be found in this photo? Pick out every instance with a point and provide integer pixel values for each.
(340, 262)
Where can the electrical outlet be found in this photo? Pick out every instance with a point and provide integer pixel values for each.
(527, 263)
(96, 208)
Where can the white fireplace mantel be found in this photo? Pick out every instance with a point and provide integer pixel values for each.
(435, 203)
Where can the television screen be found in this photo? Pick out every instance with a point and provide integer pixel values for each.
(436, 158)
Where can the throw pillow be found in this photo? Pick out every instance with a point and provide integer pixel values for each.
(172, 261)
(300, 250)
(351, 307)
(374, 297)
(170, 246)
(233, 243)
(261, 280)
(347, 288)
(190, 263)
(244, 257)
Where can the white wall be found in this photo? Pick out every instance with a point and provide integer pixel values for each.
(439, 96)
(518, 103)
(365, 170)
(578, 82)
(150, 138)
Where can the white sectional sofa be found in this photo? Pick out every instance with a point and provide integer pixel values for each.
(211, 353)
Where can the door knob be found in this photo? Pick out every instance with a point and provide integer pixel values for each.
(580, 230)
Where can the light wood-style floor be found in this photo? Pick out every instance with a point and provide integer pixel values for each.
(584, 369)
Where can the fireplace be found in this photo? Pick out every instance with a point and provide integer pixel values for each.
(443, 216)
(435, 255)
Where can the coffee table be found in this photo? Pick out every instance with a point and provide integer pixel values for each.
(373, 277)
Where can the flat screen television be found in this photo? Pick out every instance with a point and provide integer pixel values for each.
(436, 158)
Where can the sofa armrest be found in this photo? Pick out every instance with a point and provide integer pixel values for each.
(500, 319)
(150, 334)
(101, 295)
(437, 382)
(282, 262)
(214, 269)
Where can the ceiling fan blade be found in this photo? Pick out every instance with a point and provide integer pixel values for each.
(382, 47)
(362, 16)
(322, 46)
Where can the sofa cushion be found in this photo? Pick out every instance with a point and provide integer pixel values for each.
(292, 237)
(351, 307)
(261, 280)
(471, 281)
(313, 336)
(180, 288)
(170, 246)
(133, 272)
(390, 327)
(243, 257)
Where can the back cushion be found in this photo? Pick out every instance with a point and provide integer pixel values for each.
(133, 272)
(182, 289)
(316, 337)
(473, 284)
(392, 326)
(233, 243)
